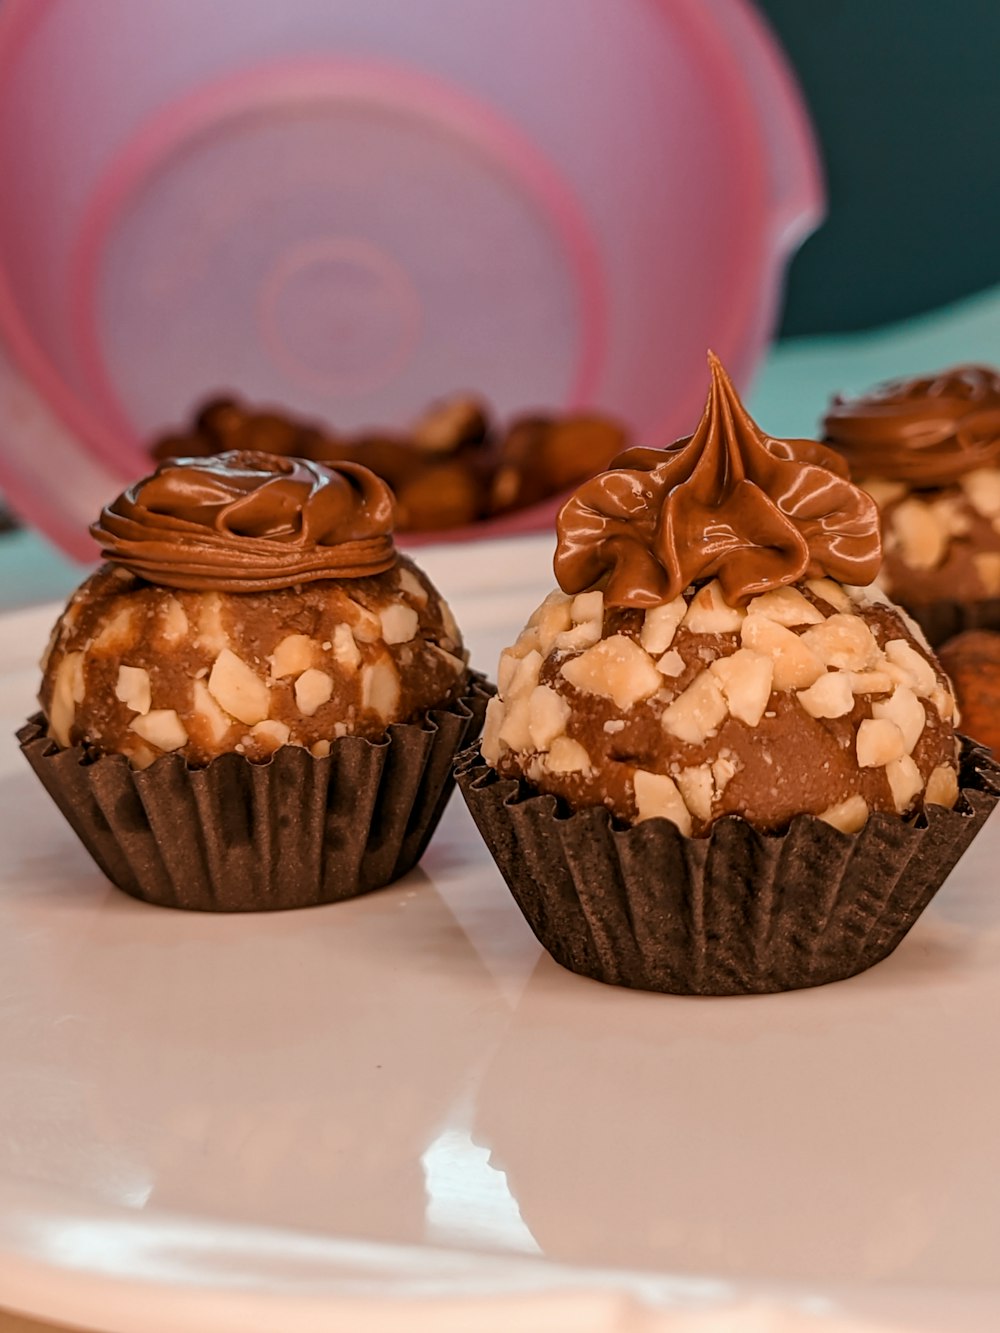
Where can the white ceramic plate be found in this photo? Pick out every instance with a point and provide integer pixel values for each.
(398, 1114)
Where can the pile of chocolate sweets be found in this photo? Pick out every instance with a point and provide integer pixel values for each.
(455, 466)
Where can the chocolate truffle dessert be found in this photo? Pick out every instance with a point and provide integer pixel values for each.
(717, 761)
(972, 661)
(253, 629)
(928, 451)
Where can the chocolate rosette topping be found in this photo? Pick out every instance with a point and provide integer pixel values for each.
(927, 432)
(249, 522)
(727, 502)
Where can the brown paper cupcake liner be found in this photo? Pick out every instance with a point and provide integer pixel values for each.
(942, 620)
(237, 836)
(737, 912)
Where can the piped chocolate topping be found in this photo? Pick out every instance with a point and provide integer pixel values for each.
(248, 522)
(727, 502)
(927, 431)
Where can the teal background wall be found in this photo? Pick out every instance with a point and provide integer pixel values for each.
(905, 97)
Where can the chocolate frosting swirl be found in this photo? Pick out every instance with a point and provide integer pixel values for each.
(249, 522)
(927, 431)
(727, 502)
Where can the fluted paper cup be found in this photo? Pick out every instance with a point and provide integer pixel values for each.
(236, 836)
(736, 912)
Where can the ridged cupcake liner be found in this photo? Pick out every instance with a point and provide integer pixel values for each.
(737, 912)
(942, 620)
(236, 836)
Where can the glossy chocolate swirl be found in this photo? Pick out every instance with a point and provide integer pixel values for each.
(726, 502)
(927, 431)
(248, 522)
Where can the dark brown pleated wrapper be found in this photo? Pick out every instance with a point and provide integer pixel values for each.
(941, 621)
(236, 836)
(737, 912)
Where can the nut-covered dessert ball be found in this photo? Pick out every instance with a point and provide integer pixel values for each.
(928, 451)
(972, 661)
(813, 699)
(225, 621)
(709, 652)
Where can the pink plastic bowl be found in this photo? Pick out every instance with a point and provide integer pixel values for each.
(351, 208)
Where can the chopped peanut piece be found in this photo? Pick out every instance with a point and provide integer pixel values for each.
(659, 625)
(399, 623)
(238, 689)
(133, 688)
(953, 515)
(548, 714)
(916, 668)
(209, 714)
(923, 538)
(830, 696)
(515, 725)
(905, 782)
(982, 486)
(505, 672)
(365, 625)
(944, 703)
(831, 593)
(796, 666)
(616, 668)
(489, 746)
(345, 648)
(697, 786)
(212, 636)
(140, 756)
(525, 676)
(173, 621)
(320, 749)
(566, 756)
(883, 492)
(671, 663)
(988, 568)
(313, 689)
(710, 613)
(849, 816)
(118, 634)
(942, 787)
(870, 682)
(160, 727)
(879, 742)
(843, 641)
(271, 734)
(551, 619)
(411, 586)
(786, 606)
(67, 692)
(448, 620)
(657, 797)
(587, 606)
(905, 709)
(698, 712)
(293, 655)
(745, 678)
(578, 637)
(526, 642)
(380, 688)
(723, 770)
